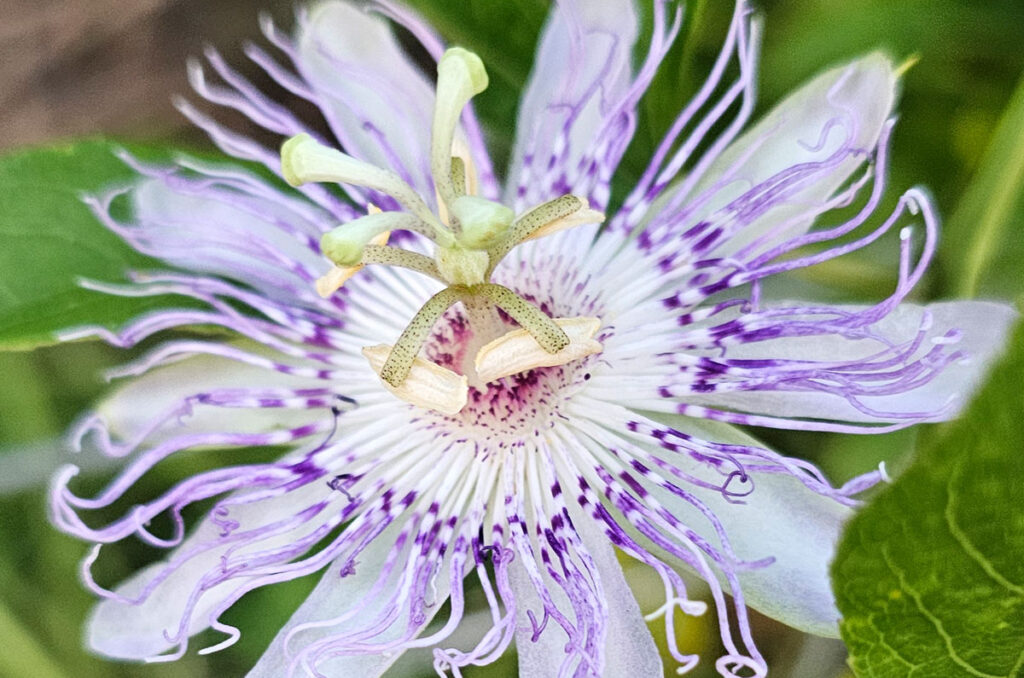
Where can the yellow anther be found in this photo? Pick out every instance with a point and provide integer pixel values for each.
(517, 351)
(427, 385)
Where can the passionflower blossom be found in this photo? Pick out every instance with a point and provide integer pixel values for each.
(504, 382)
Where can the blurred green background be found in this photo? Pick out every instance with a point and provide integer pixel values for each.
(77, 68)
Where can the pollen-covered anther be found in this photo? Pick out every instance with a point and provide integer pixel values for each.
(428, 385)
(517, 351)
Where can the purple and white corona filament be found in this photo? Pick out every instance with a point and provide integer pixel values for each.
(516, 384)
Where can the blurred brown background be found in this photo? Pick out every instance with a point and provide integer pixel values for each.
(90, 67)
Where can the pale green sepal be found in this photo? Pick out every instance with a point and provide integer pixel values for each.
(483, 221)
(344, 245)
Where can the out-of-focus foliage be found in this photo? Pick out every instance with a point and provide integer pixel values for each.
(48, 232)
(984, 239)
(953, 101)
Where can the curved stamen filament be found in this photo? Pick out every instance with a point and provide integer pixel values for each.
(542, 328)
(458, 175)
(396, 367)
(394, 256)
(555, 215)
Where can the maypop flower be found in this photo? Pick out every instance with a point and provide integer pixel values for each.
(497, 381)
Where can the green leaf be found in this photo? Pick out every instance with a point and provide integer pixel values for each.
(929, 577)
(51, 240)
(983, 248)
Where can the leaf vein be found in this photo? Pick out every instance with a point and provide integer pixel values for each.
(965, 542)
(930, 616)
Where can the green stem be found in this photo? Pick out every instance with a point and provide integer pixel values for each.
(987, 210)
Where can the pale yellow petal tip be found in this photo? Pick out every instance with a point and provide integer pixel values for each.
(517, 351)
(584, 215)
(907, 64)
(335, 279)
(428, 385)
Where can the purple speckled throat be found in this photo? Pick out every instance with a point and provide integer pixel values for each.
(526, 490)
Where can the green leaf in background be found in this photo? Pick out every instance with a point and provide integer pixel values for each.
(984, 248)
(51, 239)
(929, 577)
(30, 659)
(504, 34)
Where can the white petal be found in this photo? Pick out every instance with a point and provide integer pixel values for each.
(375, 99)
(781, 518)
(205, 234)
(125, 631)
(984, 326)
(629, 648)
(133, 407)
(331, 598)
(590, 75)
(790, 133)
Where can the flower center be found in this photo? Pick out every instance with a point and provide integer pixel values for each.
(508, 409)
(470, 234)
